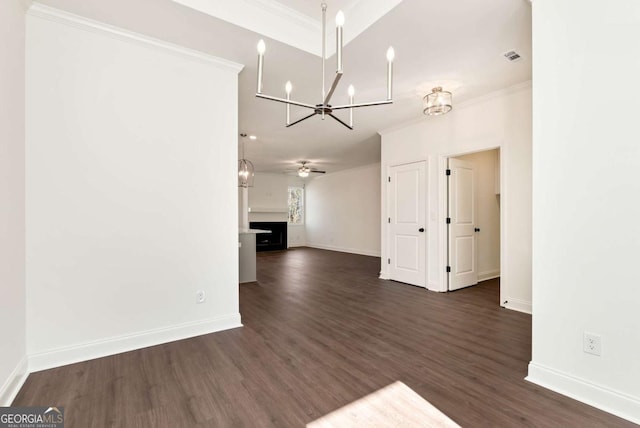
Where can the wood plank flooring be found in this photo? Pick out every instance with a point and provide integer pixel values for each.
(320, 331)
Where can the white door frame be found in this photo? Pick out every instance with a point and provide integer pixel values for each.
(387, 209)
(442, 211)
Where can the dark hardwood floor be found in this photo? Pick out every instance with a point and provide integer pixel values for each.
(320, 331)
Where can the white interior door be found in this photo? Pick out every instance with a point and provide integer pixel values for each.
(407, 206)
(463, 270)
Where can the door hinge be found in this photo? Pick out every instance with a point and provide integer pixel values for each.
(389, 220)
(448, 171)
(448, 269)
(388, 261)
(448, 220)
(389, 179)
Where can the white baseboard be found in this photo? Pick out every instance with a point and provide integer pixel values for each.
(616, 403)
(488, 274)
(296, 244)
(435, 287)
(517, 305)
(14, 382)
(102, 348)
(345, 250)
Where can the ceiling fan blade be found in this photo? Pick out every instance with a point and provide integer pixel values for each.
(317, 171)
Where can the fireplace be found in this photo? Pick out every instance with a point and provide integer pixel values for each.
(275, 240)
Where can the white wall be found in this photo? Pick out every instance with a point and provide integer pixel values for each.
(586, 160)
(13, 363)
(343, 211)
(502, 119)
(485, 164)
(268, 200)
(131, 147)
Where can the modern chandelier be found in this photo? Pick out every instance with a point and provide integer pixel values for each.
(325, 108)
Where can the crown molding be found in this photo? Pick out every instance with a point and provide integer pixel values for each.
(272, 19)
(26, 4)
(41, 11)
(265, 17)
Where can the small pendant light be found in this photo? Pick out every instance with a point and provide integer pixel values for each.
(245, 169)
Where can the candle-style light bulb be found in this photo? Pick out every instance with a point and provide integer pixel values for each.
(339, 24)
(287, 88)
(351, 91)
(391, 54)
(261, 49)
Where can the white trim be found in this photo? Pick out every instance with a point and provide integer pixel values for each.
(350, 170)
(611, 401)
(129, 342)
(488, 274)
(345, 250)
(433, 286)
(14, 382)
(290, 26)
(38, 10)
(516, 304)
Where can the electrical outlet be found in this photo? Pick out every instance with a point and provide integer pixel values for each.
(200, 296)
(592, 344)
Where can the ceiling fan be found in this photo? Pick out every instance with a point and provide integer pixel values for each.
(304, 170)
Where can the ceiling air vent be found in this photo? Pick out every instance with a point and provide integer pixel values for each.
(512, 56)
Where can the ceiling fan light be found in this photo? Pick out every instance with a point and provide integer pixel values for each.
(437, 103)
(304, 171)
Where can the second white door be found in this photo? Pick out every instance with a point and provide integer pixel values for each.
(463, 269)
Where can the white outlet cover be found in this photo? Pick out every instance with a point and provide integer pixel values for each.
(592, 343)
(201, 296)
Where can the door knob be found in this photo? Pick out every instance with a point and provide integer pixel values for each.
(477, 229)
(421, 229)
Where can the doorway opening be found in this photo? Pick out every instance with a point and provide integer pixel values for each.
(473, 219)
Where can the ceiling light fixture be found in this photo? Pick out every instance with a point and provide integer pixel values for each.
(304, 171)
(438, 102)
(245, 169)
(325, 109)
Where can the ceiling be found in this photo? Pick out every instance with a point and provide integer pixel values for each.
(458, 44)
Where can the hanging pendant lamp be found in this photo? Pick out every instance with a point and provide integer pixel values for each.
(245, 169)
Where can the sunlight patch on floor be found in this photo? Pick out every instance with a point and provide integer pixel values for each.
(395, 405)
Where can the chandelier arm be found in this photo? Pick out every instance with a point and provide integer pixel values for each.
(334, 85)
(284, 100)
(372, 103)
(300, 120)
(324, 41)
(339, 120)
